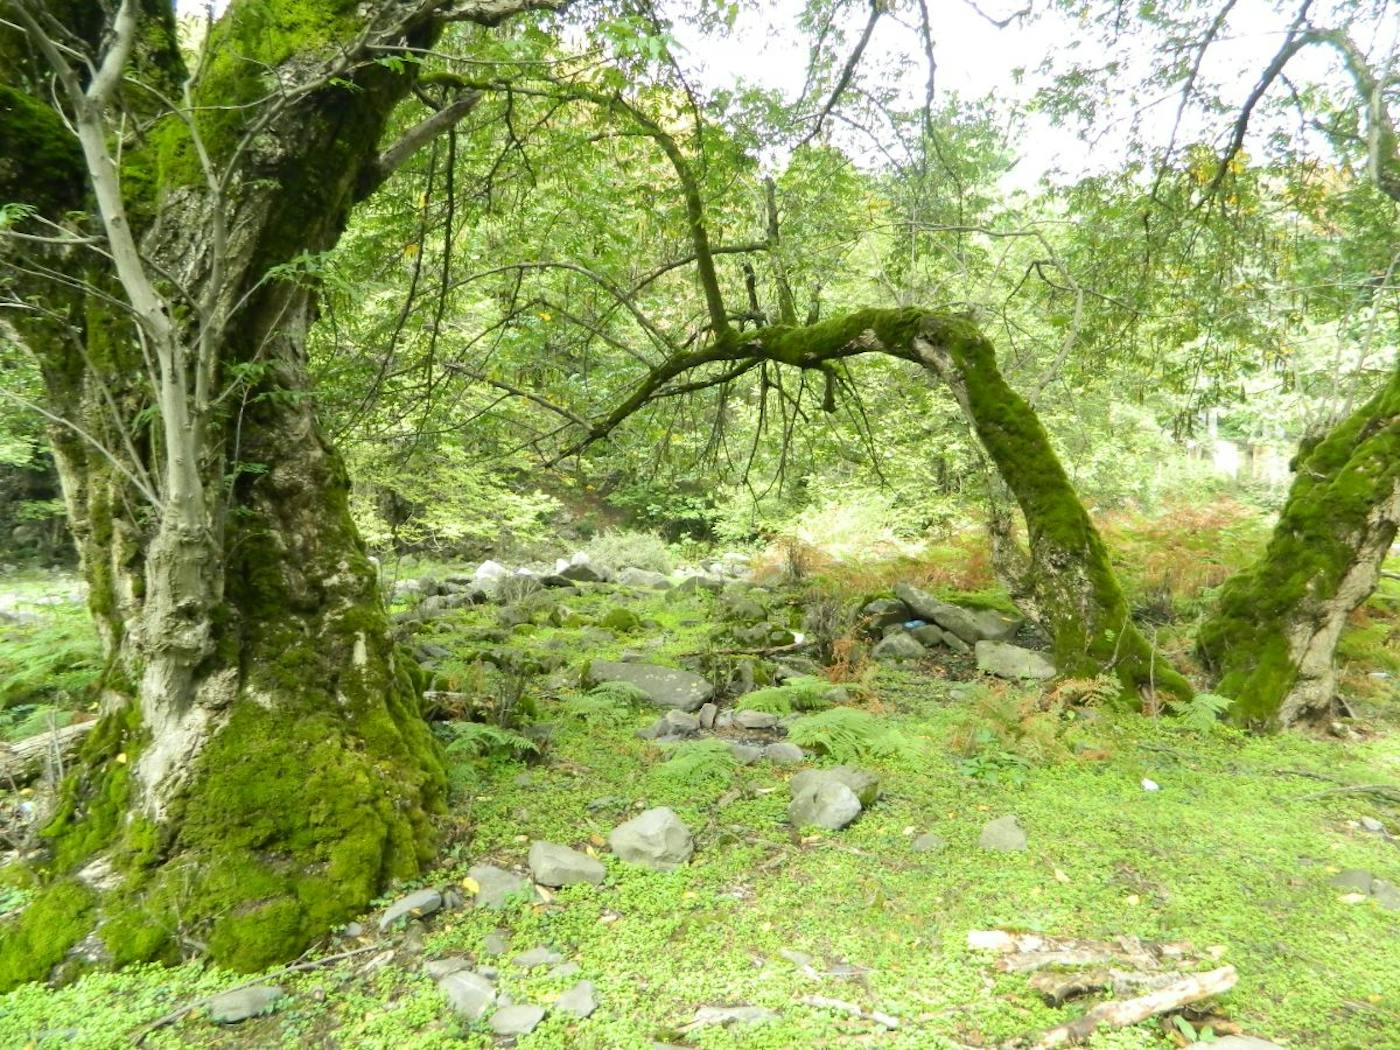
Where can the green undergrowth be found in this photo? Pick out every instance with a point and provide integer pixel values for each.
(1234, 853)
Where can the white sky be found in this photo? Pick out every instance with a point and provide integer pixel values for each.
(976, 59)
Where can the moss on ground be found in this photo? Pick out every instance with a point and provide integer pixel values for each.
(1231, 854)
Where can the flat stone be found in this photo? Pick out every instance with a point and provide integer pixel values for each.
(1373, 825)
(899, 645)
(498, 887)
(643, 578)
(1386, 894)
(564, 969)
(755, 720)
(583, 573)
(707, 715)
(520, 1019)
(865, 785)
(829, 804)
(437, 969)
(950, 617)
(664, 686)
(745, 754)
(1011, 661)
(497, 942)
(784, 753)
(470, 994)
(953, 642)
(423, 902)
(927, 843)
(656, 839)
(579, 1001)
(732, 1015)
(537, 957)
(884, 611)
(1353, 879)
(556, 865)
(1003, 835)
(928, 635)
(681, 722)
(244, 1003)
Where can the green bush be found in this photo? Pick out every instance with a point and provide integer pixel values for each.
(620, 549)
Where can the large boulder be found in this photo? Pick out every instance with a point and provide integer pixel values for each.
(656, 839)
(865, 785)
(971, 625)
(1011, 661)
(827, 804)
(496, 887)
(883, 612)
(664, 686)
(554, 865)
(898, 646)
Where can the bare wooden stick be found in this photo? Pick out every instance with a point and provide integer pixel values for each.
(1123, 1012)
(841, 1006)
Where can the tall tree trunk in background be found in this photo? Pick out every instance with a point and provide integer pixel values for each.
(1273, 637)
(261, 769)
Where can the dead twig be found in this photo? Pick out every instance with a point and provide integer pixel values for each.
(841, 1006)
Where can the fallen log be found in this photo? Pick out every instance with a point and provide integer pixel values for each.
(1123, 1012)
(24, 761)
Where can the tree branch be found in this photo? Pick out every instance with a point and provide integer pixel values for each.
(415, 138)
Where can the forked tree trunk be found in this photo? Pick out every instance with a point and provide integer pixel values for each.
(1273, 637)
(261, 769)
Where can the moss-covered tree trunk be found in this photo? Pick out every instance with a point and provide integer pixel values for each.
(1273, 637)
(261, 769)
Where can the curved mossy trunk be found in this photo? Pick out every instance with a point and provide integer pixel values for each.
(261, 769)
(1067, 585)
(1273, 637)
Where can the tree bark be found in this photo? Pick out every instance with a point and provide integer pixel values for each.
(1272, 639)
(261, 769)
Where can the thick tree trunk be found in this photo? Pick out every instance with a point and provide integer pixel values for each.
(261, 769)
(1273, 637)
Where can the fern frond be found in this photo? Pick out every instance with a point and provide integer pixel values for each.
(850, 735)
(471, 740)
(799, 694)
(1202, 711)
(697, 764)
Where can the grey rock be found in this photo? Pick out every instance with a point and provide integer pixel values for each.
(899, 645)
(580, 1000)
(497, 942)
(1353, 879)
(724, 720)
(243, 1003)
(928, 635)
(755, 720)
(707, 715)
(656, 839)
(829, 804)
(470, 994)
(699, 582)
(681, 722)
(643, 578)
(865, 785)
(798, 959)
(732, 1015)
(653, 731)
(927, 843)
(520, 1019)
(884, 611)
(497, 886)
(556, 865)
(971, 625)
(437, 969)
(1373, 825)
(1003, 835)
(423, 902)
(664, 686)
(537, 957)
(1011, 661)
(354, 929)
(564, 969)
(784, 753)
(1386, 894)
(582, 573)
(1236, 1042)
(953, 642)
(745, 754)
